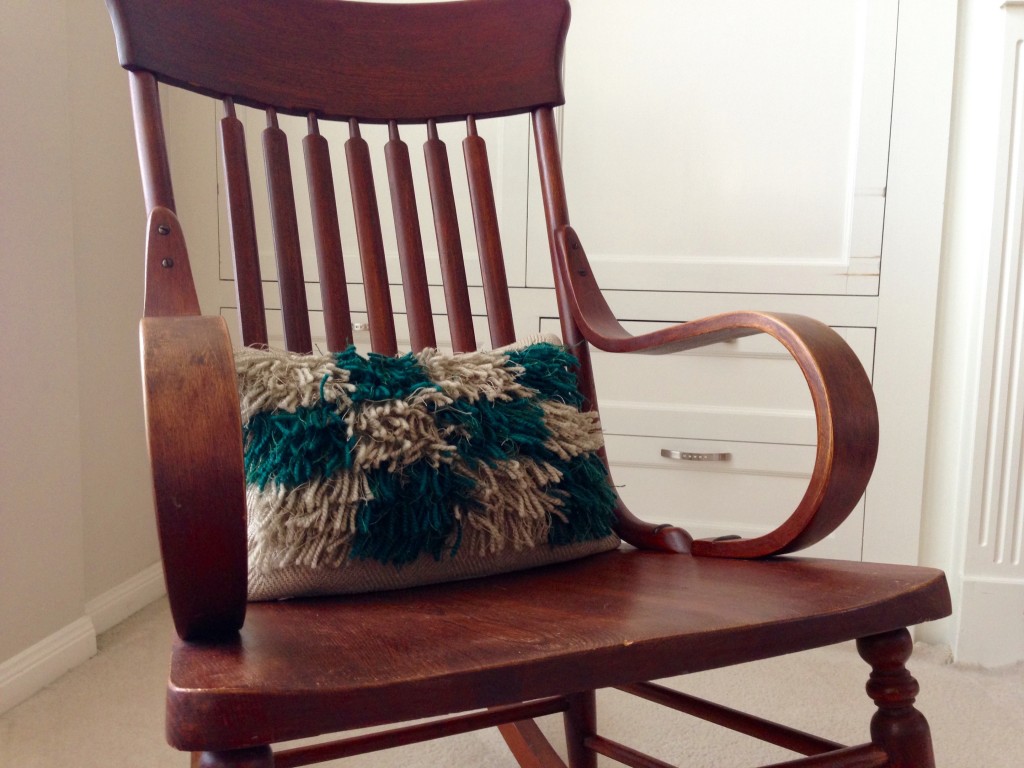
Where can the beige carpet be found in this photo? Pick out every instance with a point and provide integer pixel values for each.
(109, 712)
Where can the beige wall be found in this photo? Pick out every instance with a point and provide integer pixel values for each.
(110, 225)
(75, 517)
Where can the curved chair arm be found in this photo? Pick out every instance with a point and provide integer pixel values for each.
(844, 405)
(195, 445)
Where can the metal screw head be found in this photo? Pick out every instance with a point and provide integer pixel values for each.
(163, 229)
(168, 263)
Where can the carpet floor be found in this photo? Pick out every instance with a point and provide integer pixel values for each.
(108, 712)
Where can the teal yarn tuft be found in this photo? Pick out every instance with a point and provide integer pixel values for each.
(378, 377)
(589, 501)
(294, 448)
(550, 370)
(493, 431)
(411, 513)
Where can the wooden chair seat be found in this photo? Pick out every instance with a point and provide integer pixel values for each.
(305, 667)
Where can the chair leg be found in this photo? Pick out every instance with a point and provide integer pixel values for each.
(897, 727)
(581, 722)
(529, 746)
(256, 757)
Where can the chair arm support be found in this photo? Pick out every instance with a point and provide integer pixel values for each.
(844, 404)
(194, 434)
(170, 290)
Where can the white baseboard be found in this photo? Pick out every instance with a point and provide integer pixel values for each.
(39, 665)
(991, 622)
(117, 604)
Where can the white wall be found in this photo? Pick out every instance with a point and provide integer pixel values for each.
(75, 514)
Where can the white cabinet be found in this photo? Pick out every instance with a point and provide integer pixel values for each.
(739, 147)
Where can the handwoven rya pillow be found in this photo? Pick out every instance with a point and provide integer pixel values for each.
(371, 473)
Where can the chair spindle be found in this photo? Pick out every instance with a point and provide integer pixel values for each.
(286, 237)
(488, 238)
(556, 215)
(242, 227)
(449, 245)
(410, 241)
(327, 236)
(149, 136)
(371, 244)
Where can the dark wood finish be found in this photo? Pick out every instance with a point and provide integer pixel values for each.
(580, 727)
(556, 215)
(294, 309)
(863, 756)
(410, 242)
(529, 746)
(415, 734)
(371, 244)
(327, 236)
(897, 727)
(608, 620)
(170, 290)
(194, 434)
(488, 238)
(374, 62)
(549, 637)
(759, 728)
(623, 754)
(151, 142)
(449, 243)
(257, 757)
(242, 229)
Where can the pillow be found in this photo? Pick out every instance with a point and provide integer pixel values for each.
(372, 473)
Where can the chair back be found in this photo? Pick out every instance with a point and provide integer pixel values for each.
(343, 67)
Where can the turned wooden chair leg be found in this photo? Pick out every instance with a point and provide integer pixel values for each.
(256, 757)
(580, 723)
(897, 727)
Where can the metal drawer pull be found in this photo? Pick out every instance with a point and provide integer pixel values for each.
(360, 326)
(687, 456)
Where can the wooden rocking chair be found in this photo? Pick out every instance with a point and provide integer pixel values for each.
(511, 647)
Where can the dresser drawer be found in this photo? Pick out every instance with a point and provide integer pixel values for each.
(747, 390)
(718, 488)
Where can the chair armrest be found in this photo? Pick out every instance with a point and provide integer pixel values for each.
(194, 434)
(844, 404)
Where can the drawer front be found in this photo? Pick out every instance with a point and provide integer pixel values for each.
(718, 488)
(746, 390)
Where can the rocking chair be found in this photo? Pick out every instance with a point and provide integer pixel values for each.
(500, 650)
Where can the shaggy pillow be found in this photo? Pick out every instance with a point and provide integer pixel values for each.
(372, 473)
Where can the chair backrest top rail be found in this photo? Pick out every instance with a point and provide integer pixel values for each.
(441, 61)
